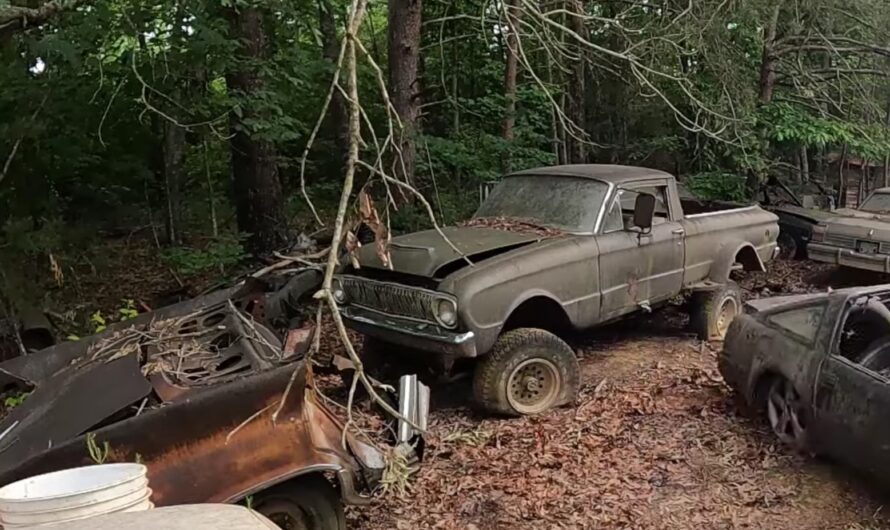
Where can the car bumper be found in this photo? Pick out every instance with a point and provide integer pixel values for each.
(409, 333)
(848, 257)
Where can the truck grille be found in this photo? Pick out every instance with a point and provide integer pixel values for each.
(840, 241)
(389, 298)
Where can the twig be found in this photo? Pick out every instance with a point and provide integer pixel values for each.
(244, 423)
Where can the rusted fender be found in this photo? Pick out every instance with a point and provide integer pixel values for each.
(219, 444)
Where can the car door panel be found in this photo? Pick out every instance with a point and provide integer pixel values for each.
(850, 407)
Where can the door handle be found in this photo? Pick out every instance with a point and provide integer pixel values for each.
(678, 231)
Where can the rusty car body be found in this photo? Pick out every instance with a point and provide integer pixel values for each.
(205, 396)
(856, 238)
(583, 245)
(818, 367)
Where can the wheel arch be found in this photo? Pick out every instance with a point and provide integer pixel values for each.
(345, 483)
(541, 312)
(742, 253)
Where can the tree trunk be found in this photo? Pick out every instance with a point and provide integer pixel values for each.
(577, 147)
(173, 155)
(768, 60)
(259, 203)
(510, 70)
(331, 52)
(887, 157)
(404, 57)
(804, 164)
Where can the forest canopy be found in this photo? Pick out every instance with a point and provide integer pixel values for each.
(215, 125)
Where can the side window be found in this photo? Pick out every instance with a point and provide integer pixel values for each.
(865, 336)
(629, 197)
(803, 322)
(614, 221)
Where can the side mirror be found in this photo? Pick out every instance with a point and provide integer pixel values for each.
(644, 211)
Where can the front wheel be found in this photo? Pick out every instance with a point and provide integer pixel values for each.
(306, 503)
(787, 414)
(527, 372)
(713, 311)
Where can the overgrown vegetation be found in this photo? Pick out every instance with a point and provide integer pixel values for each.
(184, 124)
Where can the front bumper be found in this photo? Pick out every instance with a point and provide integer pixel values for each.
(409, 333)
(848, 257)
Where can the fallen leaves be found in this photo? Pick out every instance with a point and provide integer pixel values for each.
(660, 445)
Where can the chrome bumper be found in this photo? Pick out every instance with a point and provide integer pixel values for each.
(409, 333)
(848, 257)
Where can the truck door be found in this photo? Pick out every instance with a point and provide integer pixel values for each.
(638, 270)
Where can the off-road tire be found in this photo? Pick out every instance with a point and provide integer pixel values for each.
(706, 309)
(305, 503)
(491, 379)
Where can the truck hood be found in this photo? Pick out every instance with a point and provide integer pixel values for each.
(859, 224)
(424, 253)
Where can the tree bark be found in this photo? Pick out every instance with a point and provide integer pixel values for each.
(259, 203)
(173, 154)
(804, 164)
(768, 60)
(404, 20)
(331, 53)
(510, 71)
(577, 148)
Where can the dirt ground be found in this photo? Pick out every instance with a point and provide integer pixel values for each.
(656, 440)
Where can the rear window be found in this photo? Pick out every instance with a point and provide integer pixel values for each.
(802, 322)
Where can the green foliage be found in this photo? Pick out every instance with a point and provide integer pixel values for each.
(717, 186)
(222, 253)
(12, 401)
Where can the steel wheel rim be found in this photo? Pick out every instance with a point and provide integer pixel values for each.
(785, 413)
(533, 386)
(728, 311)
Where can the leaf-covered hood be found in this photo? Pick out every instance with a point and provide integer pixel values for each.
(424, 253)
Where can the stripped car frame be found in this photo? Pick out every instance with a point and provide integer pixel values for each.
(204, 395)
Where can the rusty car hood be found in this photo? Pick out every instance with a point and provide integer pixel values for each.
(424, 253)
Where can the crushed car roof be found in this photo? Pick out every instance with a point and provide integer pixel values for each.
(605, 172)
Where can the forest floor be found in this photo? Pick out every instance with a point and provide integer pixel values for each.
(656, 440)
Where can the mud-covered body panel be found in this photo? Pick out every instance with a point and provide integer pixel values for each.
(594, 276)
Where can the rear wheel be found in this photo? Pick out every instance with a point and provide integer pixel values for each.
(787, 413)
(527, 372)
(788, 247)
(306, 503)
(713, 311)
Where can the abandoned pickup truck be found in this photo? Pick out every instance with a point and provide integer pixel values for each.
(818, 367)
(550, 249)
(856, 238)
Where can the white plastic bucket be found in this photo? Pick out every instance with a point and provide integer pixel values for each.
(74, 494)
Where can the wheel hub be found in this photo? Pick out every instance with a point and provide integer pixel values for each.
(533, 386)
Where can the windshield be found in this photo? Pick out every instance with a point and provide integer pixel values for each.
(879, 202)
(567, 203)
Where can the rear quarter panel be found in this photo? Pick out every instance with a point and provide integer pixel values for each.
(714, 239)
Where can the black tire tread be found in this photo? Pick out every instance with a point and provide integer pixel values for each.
(313, 491)
(488, 388)
(705, 305)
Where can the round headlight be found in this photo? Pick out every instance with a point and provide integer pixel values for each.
(338, 292)
(446, 312)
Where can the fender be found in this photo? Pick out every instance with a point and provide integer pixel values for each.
(731, 253)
